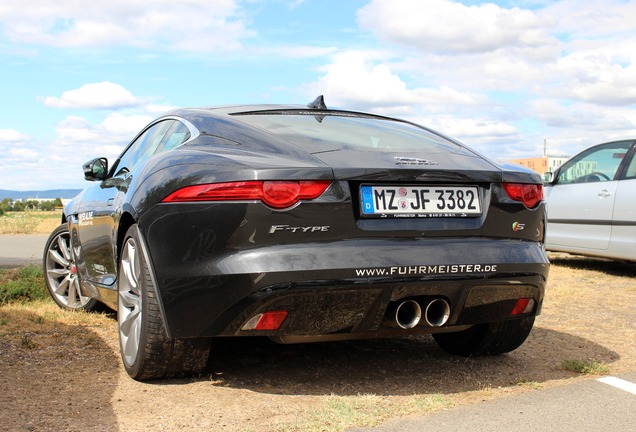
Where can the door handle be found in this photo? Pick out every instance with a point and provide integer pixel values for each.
(604, 193)
(111, 201)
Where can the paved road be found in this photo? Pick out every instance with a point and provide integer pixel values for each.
(592, 405)
(19, 250)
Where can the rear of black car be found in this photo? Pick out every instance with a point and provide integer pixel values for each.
(308, 225)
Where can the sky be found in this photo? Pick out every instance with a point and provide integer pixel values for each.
(79, 79)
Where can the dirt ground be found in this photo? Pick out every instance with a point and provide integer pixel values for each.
(62, 372)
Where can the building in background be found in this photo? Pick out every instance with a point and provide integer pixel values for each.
(542, 164)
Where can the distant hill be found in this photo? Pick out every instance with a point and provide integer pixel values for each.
(54, 193)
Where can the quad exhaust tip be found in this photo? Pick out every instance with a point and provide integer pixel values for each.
(437, 313)
(408, 313)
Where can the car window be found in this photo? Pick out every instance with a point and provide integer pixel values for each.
(631, 169)
(598, 164)
(143, 147)
(334, 131)
(176, 136)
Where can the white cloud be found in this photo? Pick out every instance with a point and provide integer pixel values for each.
(94, 96)
(581, 51)
(79, 141)
(610, 121)
(473, 129)
(88, 140)
(451, 27)
(120, 125)
(365, 80)
(196, 25)
(12, 136)
(598, 76)
(20, 160)
(591, 20)
(26, 163)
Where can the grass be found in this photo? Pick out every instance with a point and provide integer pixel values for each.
(586, 367)
(336, 413)
(26, 283)
(529, 384)
(32, 222)
(23, 284)
(27, 342)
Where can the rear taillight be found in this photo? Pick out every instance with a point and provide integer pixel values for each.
(529, 194)
(276, 194)
(524, 305)
(271, 320)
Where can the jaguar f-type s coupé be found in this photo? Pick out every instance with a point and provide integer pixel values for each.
(302, 224)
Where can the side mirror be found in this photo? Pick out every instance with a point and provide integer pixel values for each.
(548, 177)
(96, 169)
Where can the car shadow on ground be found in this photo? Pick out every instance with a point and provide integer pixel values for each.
(610, 267)
(391, 367)
(55, 376)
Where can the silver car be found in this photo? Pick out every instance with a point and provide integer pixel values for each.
(591, 201)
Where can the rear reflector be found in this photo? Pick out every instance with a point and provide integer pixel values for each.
(529, 194)
(276, 194)
(522, 306)
(271, 320)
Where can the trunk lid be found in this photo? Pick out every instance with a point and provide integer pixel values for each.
(388, 166)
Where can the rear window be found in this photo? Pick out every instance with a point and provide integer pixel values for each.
(320, 132)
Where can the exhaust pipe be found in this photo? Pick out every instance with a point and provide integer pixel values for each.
(437, 313)
(408, 314)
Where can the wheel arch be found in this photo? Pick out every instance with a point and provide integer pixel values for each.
(126, 222)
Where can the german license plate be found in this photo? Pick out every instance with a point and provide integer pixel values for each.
(420, 201)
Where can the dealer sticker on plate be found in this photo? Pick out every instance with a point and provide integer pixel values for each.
(420, 201)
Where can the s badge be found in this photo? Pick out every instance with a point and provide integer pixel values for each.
(516, 226)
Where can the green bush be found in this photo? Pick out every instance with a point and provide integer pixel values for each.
(24, 284)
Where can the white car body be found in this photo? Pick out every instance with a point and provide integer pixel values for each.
(591, 203)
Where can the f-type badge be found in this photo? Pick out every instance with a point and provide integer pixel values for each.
(400, 160)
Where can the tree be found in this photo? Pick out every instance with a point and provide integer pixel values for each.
(47, 205)
(6, 205)
(18, 206)
(31, 205)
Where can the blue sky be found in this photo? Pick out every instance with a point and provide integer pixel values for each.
(79, 79)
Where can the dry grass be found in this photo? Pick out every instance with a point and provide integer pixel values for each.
(586, 367)
(36, 222)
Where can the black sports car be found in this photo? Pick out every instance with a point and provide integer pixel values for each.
(302, 224)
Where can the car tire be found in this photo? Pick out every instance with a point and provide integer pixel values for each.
(60, 273)
(146, 350)
(486, 339)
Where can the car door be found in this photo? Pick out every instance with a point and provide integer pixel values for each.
(581, 198)
(101, 205)
(623, 238)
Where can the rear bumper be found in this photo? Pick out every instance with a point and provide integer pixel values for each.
(346, 287)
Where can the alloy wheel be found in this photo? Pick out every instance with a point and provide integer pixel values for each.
(130, 302)
(61, 273)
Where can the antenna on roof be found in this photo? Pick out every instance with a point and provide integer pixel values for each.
(318, 103)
